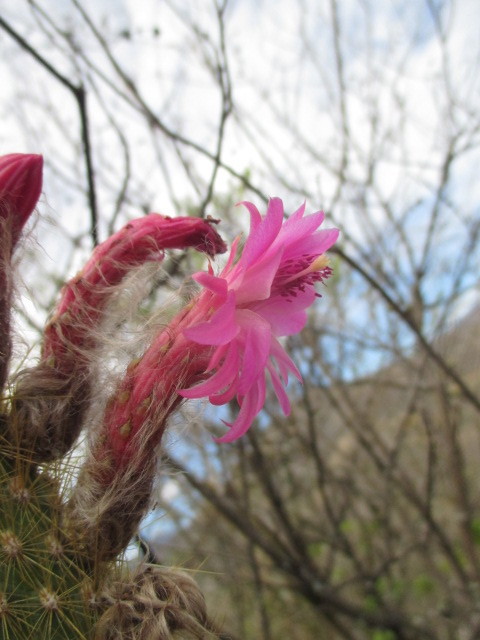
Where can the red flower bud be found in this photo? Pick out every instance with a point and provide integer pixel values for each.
(20, 188)
(84, 298)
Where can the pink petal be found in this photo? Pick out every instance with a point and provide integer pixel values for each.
(279, 390)
(264, 234)
(286, 315)
(212, 283)
(283, 360)
(231, 257)
(220, 329)
(256, 334)
(255, 217)
(314, 245)
(217, 357)
(284, 324)
(297, 229)
(251, 405)
(257, 281)
(218, 399)
(296, 215)
(219, 380)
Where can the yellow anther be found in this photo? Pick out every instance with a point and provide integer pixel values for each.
(319, 263)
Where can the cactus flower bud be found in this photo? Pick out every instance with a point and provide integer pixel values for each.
(50, 400)
(20, 187)
(85, 296)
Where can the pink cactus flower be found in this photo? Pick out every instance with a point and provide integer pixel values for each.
(20, 188)
(223, 343)
(255, 300)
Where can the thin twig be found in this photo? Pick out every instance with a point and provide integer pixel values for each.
(81, 99)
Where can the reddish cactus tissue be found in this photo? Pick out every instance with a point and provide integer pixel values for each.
(20, 188)
(84, 297)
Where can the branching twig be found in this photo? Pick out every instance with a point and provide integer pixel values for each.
(81, 99)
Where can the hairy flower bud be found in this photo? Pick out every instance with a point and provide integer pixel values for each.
(20, 188)
(50, 400)
(85, 296)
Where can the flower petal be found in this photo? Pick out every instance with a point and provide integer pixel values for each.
(297, 227)
(255, 217)
(314, 245)
(284, 362)
(220, 329)
(257, 281)
(279, 389)
(256, 335)
(286, 315)
(212, 283)
(282, 322)
(223, 377)
(217, 357)
(261, 238)
(251, 405)
(217, 399)
(296, 215)
(231, 257)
